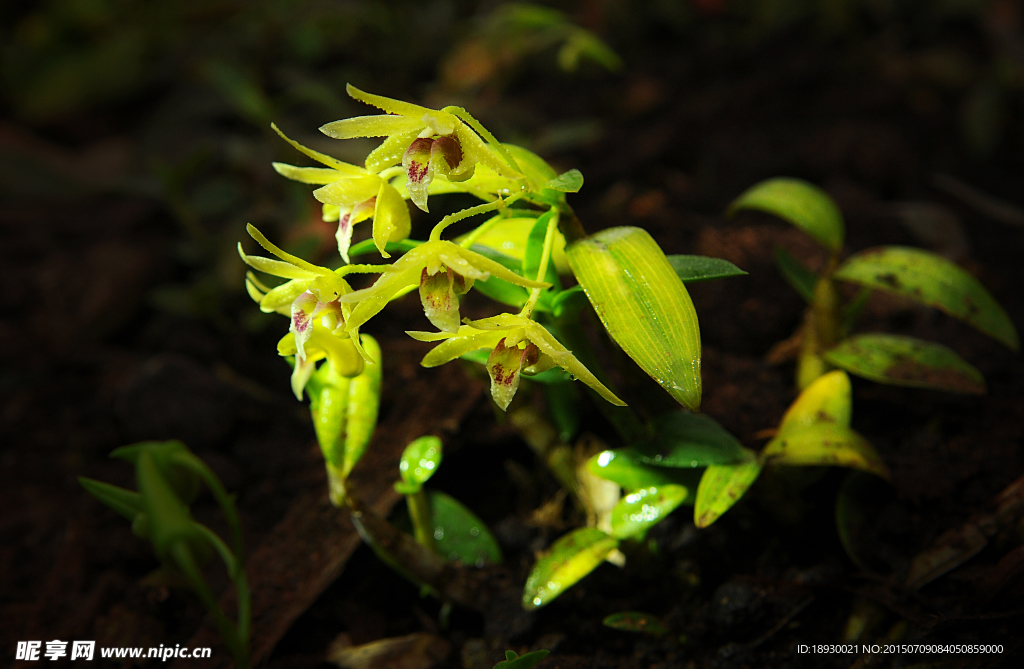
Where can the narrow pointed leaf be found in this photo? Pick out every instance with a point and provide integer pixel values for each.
(803, 204)
(694, 269)
(644, 306)
(635, 621)
(127, 503)
(906, 361)
(722, 486)
(932, 280)
(827, 445)
(798, 275)
(683, 439)
(643, 508)
(567, 561)
(459, 536)
(623, 467)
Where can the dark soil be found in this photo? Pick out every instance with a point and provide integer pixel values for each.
(96, 355)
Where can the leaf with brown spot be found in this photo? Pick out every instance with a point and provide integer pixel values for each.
(905, 361)
(932, 280)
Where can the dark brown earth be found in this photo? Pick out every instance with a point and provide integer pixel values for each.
(124, 319)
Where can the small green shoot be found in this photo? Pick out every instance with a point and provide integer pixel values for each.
(515, 661)
(169, 477)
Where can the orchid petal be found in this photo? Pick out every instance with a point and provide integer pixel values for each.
(347, 193)
(274, 267)
(391, 221)
(287, 257)
(390, 151)
(344, 236)
(567, 361)
(466, 340)
(279, 299)
(387, 104)
(419, 171)
(440, 303)
(302, 320)
(378, 125)
(309, 175)
(321, 158)
(455, 256)
(504, 366)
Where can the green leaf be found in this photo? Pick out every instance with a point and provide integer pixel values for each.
(127, 503)
(420, 460)
(567, 561)
(801, 277)
(803, 204)
(643, 508)
(623, 467)
(905, 361)
(683, 439)
(644, 306)
(567, 182)
(183, 481)
(694, 269)
(528, 661)
(363, 405)
(827, 400)
(368, 246)
(568, 303)
(722, 486)
(328, 394)
(827, 445)
(459, 535)
(535, 244)
(635, 621)
(932, 280)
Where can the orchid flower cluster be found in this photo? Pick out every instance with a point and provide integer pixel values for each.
(427, 152)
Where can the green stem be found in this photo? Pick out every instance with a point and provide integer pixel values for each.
(435, 234)
(823, 325)
(542, 270)
(419, 514)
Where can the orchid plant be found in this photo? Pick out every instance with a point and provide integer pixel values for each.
(521, 255)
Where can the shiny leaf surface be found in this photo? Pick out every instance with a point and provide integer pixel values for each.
(683, 439)
(567, 561)
(643, 508)
(803, 204)
(623, 467)
(459, 536)
(420, 460)
(644, 306)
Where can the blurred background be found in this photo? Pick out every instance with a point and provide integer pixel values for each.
(135, 145)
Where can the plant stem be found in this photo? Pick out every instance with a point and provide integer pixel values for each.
(542, 268)
(419, 514)
(823, 326)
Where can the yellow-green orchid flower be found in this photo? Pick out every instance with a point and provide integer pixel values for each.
(351, 194)
(425, 141)
(443, 270)
(517, 344)
(311, 298)
(320, 343)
